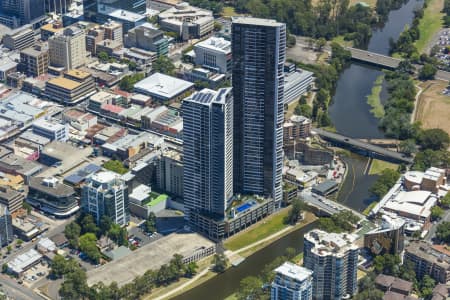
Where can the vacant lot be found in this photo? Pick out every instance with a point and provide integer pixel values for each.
(433, 109)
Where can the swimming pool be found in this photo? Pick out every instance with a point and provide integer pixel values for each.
(243, 207)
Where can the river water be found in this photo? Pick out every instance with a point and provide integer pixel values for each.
(349, 111)
(350, 115)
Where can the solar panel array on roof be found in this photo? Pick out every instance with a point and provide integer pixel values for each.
(81, 174)
(203, 97)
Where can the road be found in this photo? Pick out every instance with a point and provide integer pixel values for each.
(431, 233)
(15, 290)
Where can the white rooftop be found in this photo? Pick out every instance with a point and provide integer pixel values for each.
(256, 21)
(216, 44)
(335, 244)
(163, 86)
(414, 176)
(23, 261)
(291, 270)
(105, 176)
(48, 124)
(417, 203)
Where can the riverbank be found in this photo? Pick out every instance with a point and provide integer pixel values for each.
(430, 23)
(374, 99)
(269, 229)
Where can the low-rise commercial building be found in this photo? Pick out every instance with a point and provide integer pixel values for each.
(79, 119)
(325, 188)
(187, 21)
(387, 238)
(51, 129)
(296, 84)
(6, 230)
(7, 66)
(214, 54)
(143, 201)
(427, 259)
(16, 165)
(24, 262)
(164, 88)
(128, 19)
(147, 38)
(15, 80)
(11, 198)
(291, 282)
(75, 86)
(53, 197)
(19, 38)
(296, 129)
(34, 61)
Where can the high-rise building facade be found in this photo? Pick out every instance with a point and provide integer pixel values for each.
(106, 194)
(291, 282)
(68, 50)
(259, 50)
(333, 258)
(92, 7)
(208, 154)
(25, 11)
(6, 230)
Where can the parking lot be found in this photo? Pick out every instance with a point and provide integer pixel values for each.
(36, 274)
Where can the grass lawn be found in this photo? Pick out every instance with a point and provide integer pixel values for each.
(430, 23)
(340, 40)
(263, 229)
(379, 165)
(369, 208)
(374, 98)
(228, 11)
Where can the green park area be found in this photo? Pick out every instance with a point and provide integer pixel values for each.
(263, 229)
(378, 166)
(431, 22)
(374, 98)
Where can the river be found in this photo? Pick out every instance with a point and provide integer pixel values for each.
(349, 112)
(350, 115)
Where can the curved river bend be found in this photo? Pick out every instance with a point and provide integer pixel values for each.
(350, 115)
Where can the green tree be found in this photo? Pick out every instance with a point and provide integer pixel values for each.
(443, 232)
(303, 110)
(220, 263)
(4, 268)
(27, 207)
(320, 43)
(250, 288)
(408, 147)
(217, 26)
(103, 56)
(387, 264)
(426, 287)
(115, 166)
(191, 269)
(434, 139)
(8, 249)
(163, 65)
(384, 182)
(445, 201)
(150, 223)
(74, 286)
(436, 213)
(19, 243)
(427, 72)
(294, 214)
(105, 224)
(72, 232)
(88, 246)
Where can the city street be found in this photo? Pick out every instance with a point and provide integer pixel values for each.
(15, 290)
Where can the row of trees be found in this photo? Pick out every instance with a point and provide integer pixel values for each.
(127, 83)
(75, 285)
(326, 79)
(252, 287)
(83, 233)
(344, 221)
(384, 183)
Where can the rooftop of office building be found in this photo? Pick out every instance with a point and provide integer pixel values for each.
(336, 244)
(215, 43)
(50, 185)
(163, 85)
(207, 96)
(256, 21)
(291, 270)
(105, 177)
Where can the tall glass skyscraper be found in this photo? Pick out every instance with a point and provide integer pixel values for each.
(208, 155)
(259, 51)
(91, 6)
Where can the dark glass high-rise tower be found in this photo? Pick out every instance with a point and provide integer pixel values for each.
(91, 6)
(259, 50)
